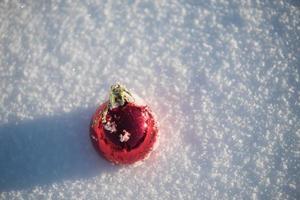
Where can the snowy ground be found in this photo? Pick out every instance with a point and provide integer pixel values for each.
(223, 78)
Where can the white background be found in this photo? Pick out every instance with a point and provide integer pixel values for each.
(222, 77)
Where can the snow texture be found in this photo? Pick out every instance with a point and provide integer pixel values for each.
(223, 78)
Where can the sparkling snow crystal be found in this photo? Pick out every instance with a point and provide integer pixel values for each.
(223, 78)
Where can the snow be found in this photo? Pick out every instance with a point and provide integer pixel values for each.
(222, 77)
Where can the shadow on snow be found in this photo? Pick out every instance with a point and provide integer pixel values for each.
(47, 150)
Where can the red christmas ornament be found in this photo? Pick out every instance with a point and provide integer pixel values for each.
(123, 129)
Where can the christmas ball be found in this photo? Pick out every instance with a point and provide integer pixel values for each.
(123, 129)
